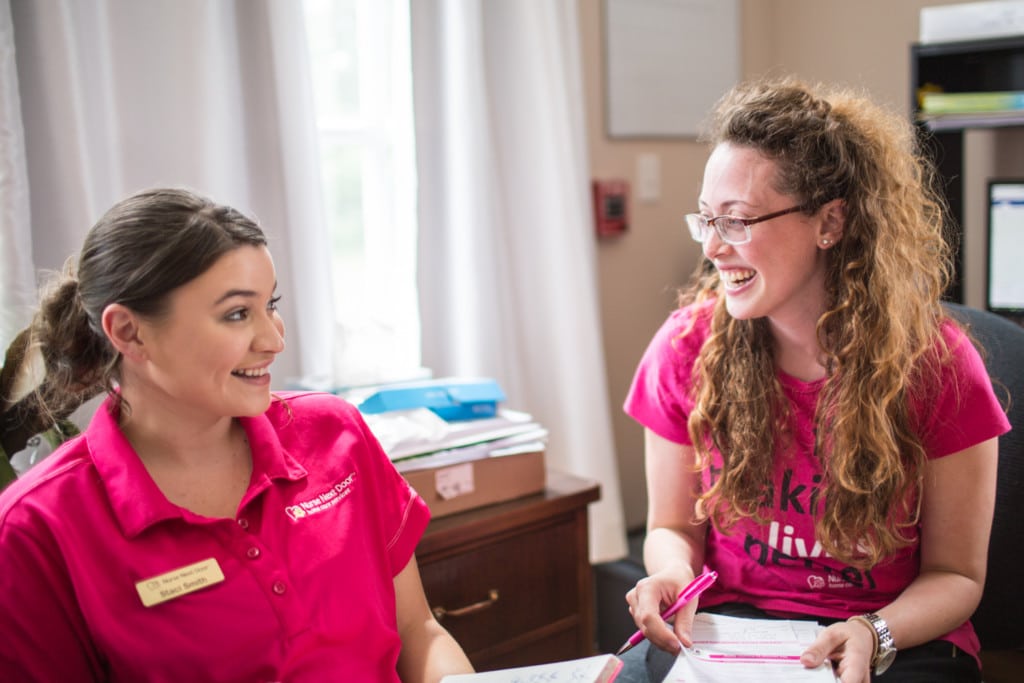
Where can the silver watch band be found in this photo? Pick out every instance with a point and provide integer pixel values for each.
(885, 646)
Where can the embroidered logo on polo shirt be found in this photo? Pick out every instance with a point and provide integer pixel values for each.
(322, 501)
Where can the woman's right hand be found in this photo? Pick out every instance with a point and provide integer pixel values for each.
(650, 597)
(674, 543)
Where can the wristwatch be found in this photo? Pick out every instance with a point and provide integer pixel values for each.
(885, 648)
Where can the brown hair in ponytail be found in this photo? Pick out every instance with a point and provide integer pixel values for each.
(141, 249)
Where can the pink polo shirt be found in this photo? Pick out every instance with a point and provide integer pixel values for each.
(780, 566)
(308, 562)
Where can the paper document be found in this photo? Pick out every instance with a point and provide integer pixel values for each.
(741, 650)
(597, 669)
(530, 442)
(408, 433)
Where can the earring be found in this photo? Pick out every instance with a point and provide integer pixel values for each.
(825, 242)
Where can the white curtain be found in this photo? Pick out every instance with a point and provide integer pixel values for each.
(120, 95)
(17, 282)
(507, 271)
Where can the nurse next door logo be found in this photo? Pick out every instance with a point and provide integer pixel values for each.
(322, 501)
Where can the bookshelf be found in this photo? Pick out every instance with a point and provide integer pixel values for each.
(970, 66)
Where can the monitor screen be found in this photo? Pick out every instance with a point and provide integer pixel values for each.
(1005, 291)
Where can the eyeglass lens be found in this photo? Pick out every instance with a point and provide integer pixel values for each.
(730, 230)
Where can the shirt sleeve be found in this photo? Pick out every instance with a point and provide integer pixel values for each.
(661, 395)
(44, 634)
(403, 515)
(965, 410)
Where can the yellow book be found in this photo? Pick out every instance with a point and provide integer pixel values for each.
(971, 102)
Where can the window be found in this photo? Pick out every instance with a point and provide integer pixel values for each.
(362, 83)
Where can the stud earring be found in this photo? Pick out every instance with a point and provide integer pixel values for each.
(825, 242)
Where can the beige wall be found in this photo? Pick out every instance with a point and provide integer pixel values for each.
(864, 43)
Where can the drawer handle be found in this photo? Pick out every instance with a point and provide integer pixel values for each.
(441, 612)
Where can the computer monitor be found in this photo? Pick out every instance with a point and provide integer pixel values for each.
(1005, 283)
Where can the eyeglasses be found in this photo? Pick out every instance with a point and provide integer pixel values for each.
(730, 229)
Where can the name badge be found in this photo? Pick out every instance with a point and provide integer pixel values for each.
(179, 582)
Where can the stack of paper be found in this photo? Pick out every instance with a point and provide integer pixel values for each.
(740, 650)
(418, 438)
(454, 445)
(942, 110)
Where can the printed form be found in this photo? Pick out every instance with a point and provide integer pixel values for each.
(740, 650)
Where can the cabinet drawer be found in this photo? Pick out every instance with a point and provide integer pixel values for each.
(533, 577)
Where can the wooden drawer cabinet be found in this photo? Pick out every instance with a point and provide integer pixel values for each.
(512, 582)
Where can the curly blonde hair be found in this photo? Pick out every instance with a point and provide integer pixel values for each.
(880, 333)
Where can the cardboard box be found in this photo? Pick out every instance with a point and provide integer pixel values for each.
(448, 489)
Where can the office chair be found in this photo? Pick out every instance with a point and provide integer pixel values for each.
(998, 618)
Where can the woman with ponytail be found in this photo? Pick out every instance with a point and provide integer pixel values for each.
(202, 528)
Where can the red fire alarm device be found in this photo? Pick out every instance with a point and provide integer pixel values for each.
(611, 199)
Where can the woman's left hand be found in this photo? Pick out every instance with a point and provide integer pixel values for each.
(849, 645)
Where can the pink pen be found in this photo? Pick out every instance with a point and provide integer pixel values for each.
(739, 657)
(692, 590)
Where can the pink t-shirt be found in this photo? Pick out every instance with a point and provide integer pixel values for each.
(308, 562)
(780, 567)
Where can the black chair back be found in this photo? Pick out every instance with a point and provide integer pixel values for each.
(998, 617)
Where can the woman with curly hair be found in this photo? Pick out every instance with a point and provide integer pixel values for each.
(817, 430)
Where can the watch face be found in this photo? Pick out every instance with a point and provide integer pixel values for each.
(884, 661)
